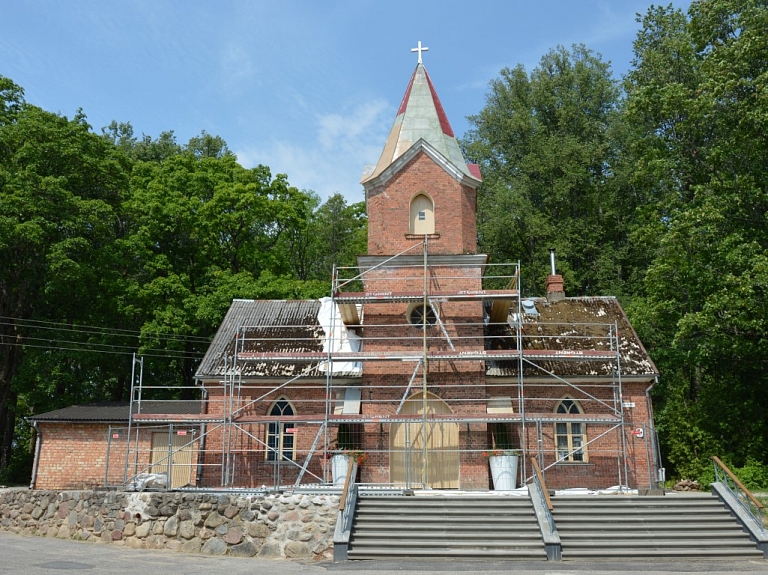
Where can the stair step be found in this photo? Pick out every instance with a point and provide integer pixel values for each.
(634, 534)
(360, 535)
(451, 524)
(635, 554)
(441, 542)
(589, 527)
(450, 552)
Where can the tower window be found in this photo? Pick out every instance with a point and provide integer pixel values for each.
(416, 315)
(422, 215)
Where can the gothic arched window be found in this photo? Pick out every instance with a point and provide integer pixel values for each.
(281, 443)
(570, 436)
(422, 215)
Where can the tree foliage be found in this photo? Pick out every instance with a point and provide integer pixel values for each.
(657, 194)
(542, 143)
(112, 244)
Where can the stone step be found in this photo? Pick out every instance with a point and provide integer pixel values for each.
(439, 527)
(450, 552)
(682, 532)
(448, 524)
(361, 534)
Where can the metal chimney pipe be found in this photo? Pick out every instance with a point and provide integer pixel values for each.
(552, 260)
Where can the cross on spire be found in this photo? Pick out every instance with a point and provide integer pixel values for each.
(419, 49)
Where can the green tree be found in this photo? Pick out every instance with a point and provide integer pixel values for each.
(332, 233)
(62, 187)
(203, 230)
(696, 103)
(543, 147)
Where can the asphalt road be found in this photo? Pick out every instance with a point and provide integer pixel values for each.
(21, 555)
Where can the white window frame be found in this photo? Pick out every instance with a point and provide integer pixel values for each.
(570, 436)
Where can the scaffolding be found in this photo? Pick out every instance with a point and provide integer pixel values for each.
(454, 362)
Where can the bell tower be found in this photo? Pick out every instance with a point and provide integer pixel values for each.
(421, 185)
(422, 308)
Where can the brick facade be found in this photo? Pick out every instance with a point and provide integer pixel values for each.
(454, 210)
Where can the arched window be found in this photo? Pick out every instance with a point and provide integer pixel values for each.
(422, 215)
(279, 439)
(570, 436)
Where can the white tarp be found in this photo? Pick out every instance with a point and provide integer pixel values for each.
(338, 338)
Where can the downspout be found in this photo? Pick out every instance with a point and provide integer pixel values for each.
(38, 443)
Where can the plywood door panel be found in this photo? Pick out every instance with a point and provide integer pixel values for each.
(181, 457)
(407, 446)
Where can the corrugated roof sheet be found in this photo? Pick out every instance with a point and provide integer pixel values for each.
(112, 411)
(268, 325)
(573, 323)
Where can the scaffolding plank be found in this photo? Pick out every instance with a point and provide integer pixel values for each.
(177, 417)
(318, 419)
(391, 296)
(416, 355)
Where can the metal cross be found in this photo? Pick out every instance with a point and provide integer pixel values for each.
(419, 49)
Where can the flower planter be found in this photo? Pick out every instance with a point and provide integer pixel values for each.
(339, 467)
(503, 471)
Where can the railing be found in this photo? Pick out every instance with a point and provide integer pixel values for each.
(347, 505)
(541, 487)
(744, 496)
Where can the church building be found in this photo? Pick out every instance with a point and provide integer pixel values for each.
(425, 363)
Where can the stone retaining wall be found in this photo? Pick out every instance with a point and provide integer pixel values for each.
(273, 526)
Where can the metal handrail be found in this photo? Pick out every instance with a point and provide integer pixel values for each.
(348, 500)
(541, 485)
(744, 496)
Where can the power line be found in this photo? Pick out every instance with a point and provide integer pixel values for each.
(99, 330)
(131, 348)
(172, 355)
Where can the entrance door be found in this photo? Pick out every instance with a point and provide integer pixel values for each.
(406, 462)
(181, 460)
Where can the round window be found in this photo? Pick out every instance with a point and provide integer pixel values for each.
(416, 315)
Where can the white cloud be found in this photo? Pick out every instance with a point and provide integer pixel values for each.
(334, 160)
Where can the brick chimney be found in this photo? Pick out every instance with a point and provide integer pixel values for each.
(555, 290)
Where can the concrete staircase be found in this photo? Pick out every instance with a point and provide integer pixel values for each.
(682, 526)
(454, 526)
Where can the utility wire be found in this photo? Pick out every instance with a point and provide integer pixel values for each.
(51, 325)
(24, 339)
(180, 355)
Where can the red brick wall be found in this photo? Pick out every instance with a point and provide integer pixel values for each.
(73, 456)
(604, 467)
(454, 210)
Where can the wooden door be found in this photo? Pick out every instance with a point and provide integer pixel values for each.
(406, 461)
(181, 458)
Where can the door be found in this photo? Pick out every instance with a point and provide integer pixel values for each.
(181, 457)
(406, 463)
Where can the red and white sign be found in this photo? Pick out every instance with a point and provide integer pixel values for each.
(182, 432)
(290, 430)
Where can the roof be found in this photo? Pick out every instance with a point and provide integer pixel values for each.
(576, 323)
(266, 326)
(421, 117)
(113, 411)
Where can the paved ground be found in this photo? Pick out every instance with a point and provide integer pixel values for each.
(40, 556)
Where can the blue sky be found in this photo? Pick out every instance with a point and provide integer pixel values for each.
(307, 88)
